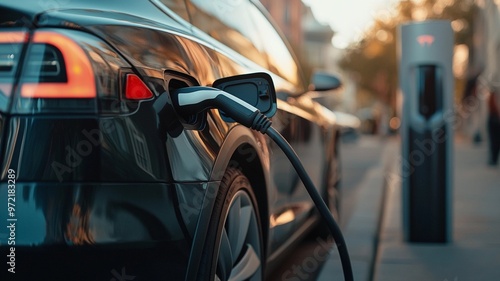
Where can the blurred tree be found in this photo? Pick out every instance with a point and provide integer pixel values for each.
(373, 59)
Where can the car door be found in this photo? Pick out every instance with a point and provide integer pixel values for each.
(298, 120)
(247, 42)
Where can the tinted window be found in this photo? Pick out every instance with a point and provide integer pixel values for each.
(240, 25)
(230, 23)
(177, 6)
(279, 58)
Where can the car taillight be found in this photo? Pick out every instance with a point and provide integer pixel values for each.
(57, 67)
(69, 71)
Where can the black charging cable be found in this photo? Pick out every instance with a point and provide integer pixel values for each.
(315, 196)
(187, 103)
(318, 201)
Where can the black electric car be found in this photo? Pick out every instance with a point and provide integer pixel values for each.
(104, 179)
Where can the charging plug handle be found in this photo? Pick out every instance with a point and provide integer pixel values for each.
(192, 100)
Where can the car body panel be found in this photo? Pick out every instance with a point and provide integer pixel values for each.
(130, 225)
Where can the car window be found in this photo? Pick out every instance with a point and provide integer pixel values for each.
(229, 22)
(279, 58)
(240, 25)
(177, 6)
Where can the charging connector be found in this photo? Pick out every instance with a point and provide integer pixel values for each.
(192, 100)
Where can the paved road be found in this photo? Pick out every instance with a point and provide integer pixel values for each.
(358, 157)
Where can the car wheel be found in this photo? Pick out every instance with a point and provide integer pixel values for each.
(234, 247)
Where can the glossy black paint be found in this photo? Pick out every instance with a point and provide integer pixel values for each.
(134, 188)
(85, 231)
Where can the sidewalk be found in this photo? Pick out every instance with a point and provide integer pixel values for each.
(474, 253)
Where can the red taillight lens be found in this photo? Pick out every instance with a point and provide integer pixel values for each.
(65, 71)
(135, 89)
(72, 61)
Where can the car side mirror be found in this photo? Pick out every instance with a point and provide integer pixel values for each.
(322, 81)
(257, 89)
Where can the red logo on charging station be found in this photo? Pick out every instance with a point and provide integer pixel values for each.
(425, 40)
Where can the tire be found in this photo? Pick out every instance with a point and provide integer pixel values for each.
(234, 246)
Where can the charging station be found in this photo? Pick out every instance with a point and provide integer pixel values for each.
(426, 79)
